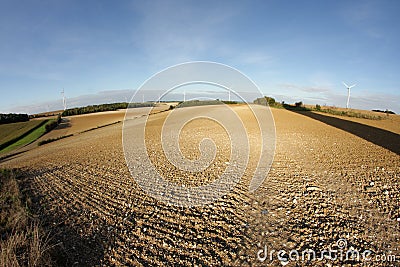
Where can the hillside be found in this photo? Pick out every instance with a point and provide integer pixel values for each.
(11, 131)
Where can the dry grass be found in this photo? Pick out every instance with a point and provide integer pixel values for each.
(22, 241)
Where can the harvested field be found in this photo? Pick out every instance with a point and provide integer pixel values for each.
(79, 123)
(325, 184)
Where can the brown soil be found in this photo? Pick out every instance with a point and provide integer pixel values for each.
(325, 184)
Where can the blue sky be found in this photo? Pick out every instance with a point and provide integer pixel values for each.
(100, 51)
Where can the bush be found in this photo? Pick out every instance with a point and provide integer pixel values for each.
(317, 107)
(270, 101)
(298, 104)
(51, 125)
(59, 118)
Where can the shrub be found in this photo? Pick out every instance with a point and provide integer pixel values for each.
(298, 104)
(317, 107)
(51, 125)
(268, 100)
(59, 118)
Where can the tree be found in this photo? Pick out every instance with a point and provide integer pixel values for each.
(298, 104)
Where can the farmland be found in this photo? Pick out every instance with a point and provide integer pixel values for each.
(19, 134)
(325, 184)
(80, 123)
(11, 131)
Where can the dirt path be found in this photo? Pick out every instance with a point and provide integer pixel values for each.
(325, 184)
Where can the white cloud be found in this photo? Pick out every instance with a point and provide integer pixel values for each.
(359, 99)
(108, 96)
(308, 89)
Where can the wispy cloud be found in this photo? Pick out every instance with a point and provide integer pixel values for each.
(308, 89)
(108, 96)
(360, 99)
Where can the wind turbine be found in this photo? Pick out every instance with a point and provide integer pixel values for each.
(64, 99)
(348, 93)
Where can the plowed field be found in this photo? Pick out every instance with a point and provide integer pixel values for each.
(326, 184)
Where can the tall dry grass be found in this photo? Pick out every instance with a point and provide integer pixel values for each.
(23, 242)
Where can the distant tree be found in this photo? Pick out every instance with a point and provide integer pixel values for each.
(298, 104)
(318, 107)
(270, 100)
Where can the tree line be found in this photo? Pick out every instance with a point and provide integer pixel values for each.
(103, 107)
(268, 100)
(12, 117)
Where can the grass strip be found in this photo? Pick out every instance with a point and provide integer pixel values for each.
(29, 138)
(20, 135)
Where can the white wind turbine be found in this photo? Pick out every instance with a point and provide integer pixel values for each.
(64, 99)
(348, 93)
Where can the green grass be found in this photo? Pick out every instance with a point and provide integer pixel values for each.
(31, 137)
(12, 131)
